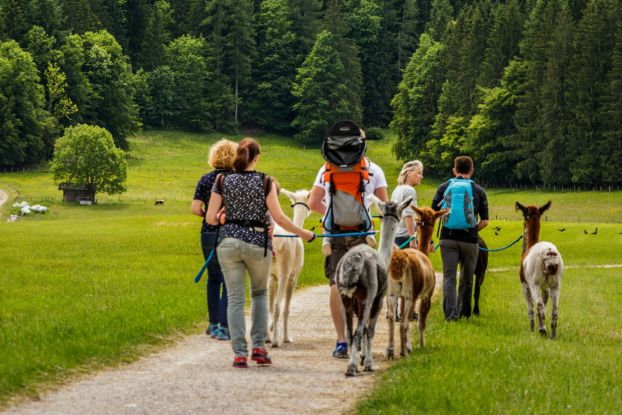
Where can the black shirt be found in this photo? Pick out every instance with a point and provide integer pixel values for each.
(480, 204)
(203, 193)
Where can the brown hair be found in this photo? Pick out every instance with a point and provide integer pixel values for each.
(221, 154)
(463, 164)
(247, 150)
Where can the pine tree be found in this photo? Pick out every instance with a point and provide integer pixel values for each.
(137, 14)
(157, 34)
(14, 13)
(554, 166)
(276, 68)
(320, 91)
(588, 84)
(502, 42)
(415, 104)
(306, 16)
(49, 15)
(440, 16)
(79, 16)
(334, 21)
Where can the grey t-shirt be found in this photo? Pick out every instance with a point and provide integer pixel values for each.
(400, 194)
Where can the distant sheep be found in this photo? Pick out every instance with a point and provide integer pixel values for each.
(25, 209)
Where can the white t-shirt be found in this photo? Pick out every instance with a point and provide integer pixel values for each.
(376, 181)
(400, 194)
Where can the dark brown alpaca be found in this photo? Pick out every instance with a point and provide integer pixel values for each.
(541, 269)
(411, 277)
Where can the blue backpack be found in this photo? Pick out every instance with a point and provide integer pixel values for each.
(459, 198)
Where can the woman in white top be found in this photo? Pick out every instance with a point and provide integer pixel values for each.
(410, 176)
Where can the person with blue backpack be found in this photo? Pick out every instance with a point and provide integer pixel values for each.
(458, 240)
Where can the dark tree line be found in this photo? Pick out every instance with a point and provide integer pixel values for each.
(531, 88)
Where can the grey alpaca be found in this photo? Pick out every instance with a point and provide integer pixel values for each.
(361, 278)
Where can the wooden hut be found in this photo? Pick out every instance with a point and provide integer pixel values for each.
(78, 193)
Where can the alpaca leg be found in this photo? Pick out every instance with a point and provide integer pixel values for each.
(555, 290)
(405, 344)
(424, 309)
(271, 298)
(362, 322)
(476, 292)
(537, 299)
(392, 306)
(277, 341)
(371, 331)
(291, 284)
(527, 294)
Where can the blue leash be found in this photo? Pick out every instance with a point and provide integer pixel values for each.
(491, 250)
(340, 235)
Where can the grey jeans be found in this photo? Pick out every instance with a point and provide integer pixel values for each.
(452, 254)
(236, 258)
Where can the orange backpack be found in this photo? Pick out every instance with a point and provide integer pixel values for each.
(346, 173)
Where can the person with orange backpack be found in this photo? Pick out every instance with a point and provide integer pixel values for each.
(339, 194)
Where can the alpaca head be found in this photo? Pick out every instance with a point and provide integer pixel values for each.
(398, 264)
(531, 212)
(349, 271)
(427, 216)
(391, 209)
(298, 198)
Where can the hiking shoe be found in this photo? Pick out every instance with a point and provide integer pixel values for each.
(414, 317)
(223, 333)
(241, 362)
(211, 329)
(260, 355)
(341, 350)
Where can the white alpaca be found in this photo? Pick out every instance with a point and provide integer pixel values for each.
(287, 262)
(541, 270)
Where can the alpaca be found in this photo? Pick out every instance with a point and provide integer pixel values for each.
(361, 277)
(287, 263)
(411, 277)
(541, 270)
(480, 273)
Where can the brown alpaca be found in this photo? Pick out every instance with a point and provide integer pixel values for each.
(411, 276)
(541, 270)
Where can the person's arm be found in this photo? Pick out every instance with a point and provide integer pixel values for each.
(197, 208)
(316, 199)
(381, 193)
(482, 210)
(274, 207)
(481, 224)
(215, 203)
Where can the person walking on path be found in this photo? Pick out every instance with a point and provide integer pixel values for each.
(458, 241)
(220, 157)
(319, 199)
(409, 177)
(242, 201)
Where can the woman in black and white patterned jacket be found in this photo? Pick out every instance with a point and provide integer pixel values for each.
(247, 196)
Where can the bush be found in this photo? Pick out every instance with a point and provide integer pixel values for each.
(374, 133)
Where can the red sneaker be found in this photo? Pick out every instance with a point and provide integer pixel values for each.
(260, 355)
(241, 362)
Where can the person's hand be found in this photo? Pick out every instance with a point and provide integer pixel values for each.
(308, 236)
(271, 231)
(413, 243)
(222, 216)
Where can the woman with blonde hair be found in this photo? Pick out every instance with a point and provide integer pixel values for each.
(410, 176)
(221, 155)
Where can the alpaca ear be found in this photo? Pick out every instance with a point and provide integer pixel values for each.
(441, 213)
(545, 207)
(405, 204)
(379, 204)
(417, 210)
(287, 193)
(521, 208)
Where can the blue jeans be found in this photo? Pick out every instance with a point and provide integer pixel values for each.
(236, 258)
(216, 299)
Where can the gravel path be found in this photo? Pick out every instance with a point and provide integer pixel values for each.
(195, 376)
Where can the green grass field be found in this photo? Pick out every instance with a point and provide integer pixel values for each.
(89, 286)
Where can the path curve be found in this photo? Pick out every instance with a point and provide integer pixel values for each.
(195, 376)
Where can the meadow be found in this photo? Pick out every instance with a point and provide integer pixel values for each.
(84, 287)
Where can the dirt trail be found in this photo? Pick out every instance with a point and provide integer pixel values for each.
(195, 376)
(3, 198)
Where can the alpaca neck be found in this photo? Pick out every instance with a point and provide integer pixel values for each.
(425, 236)
(300, 214)
(532, 234)
(387, 236)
